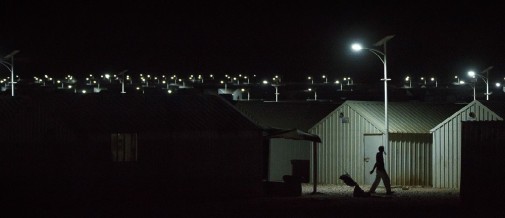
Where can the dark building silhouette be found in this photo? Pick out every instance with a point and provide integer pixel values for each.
(105, 148)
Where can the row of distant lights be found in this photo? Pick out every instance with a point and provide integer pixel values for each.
(149, 77)
(422, 78)
(7, 79)
(471, 74)
(496, 84)
(275, 79)
(348, 79)
(137, 88)
(200, 77)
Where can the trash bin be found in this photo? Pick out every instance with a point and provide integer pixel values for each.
(301, 168)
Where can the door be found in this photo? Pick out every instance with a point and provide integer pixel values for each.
(372, 143)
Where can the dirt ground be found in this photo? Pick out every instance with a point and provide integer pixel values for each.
(337, 201)
(328, 201)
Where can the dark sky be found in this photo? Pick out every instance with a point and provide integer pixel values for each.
(293, 39)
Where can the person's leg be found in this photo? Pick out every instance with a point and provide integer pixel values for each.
(385, 180)
(375, 183)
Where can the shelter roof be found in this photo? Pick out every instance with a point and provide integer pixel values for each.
(287, 115)
(404, 117)
(138, 113)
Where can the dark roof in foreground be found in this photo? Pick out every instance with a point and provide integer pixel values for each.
(123, 113)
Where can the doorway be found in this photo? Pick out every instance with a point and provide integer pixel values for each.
(372, 143)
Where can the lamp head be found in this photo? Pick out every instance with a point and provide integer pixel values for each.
(471, 73)
(11, 54)
(356, 47)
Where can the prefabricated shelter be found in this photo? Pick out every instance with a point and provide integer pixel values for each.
(352, 133)
(127, 144)
(482, 149)
(285, 156)
(447, 140)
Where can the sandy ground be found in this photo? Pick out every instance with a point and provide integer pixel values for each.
(328, 201)
(337, 201)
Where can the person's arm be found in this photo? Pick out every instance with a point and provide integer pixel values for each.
(374, 166)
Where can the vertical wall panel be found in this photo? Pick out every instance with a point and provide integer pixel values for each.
(409, 159)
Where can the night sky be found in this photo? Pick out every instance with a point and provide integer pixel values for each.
(292, 39)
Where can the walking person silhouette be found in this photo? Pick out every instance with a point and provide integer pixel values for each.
(381, 173)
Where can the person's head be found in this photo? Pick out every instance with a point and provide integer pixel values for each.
(381, 148)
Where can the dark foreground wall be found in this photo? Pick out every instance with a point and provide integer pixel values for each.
(483, 163)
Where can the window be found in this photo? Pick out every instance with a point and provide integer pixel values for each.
(124, 147)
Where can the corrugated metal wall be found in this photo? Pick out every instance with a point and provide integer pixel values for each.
(341, 149)
(409, 159)
(282, 151)
(447, 146)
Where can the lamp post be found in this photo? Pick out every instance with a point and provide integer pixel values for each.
(107, 76)
(409, 80)
(276, 86)
(275, 83)
(383, 57)
(225, 85)
(484, 78)
(315, 93)
(349, 81)
(338, 82)
(10, 67)
(122, 80)
(62, 84)
(174, 77)
(248, 93)
(435, 80)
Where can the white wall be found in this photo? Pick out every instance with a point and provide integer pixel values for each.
(282, 151)
(342, 146)
(342, 150)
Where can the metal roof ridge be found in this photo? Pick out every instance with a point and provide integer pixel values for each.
(455, 113)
